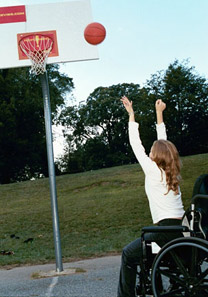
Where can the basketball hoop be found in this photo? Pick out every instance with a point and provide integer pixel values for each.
(37, 48)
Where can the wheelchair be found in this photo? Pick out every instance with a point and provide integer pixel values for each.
(180, 268)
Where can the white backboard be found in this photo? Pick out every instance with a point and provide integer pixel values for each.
(64, 21)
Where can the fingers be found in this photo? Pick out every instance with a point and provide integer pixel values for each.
(160, 105)
(127, 104)
(158, 102)
(126, 101)
(124, 98)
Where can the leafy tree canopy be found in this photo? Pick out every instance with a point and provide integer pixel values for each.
(22, 127)
(97, 133)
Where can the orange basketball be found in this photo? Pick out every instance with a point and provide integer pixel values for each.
(94, 33)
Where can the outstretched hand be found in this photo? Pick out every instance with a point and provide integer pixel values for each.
(160, 105)
(127, 104)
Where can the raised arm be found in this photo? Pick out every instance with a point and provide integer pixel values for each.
(161, 130)
(134, 137)
(160, 107)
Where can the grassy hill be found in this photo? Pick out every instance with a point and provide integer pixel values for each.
(100, 211)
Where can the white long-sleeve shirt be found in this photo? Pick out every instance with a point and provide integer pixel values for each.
(162, 205)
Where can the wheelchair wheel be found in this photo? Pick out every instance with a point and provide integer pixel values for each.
(182, 266)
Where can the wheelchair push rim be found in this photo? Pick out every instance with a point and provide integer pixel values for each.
(181, 269)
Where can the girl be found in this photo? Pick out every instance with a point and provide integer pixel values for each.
(162, 176)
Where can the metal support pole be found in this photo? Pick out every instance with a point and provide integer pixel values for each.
(51, 170)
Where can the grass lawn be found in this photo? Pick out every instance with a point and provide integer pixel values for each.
(99, 211)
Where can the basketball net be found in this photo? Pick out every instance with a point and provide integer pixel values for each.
(37, 48)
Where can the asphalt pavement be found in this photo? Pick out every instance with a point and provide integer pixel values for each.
(87, 278)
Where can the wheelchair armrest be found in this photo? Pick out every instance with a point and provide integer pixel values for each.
(166, 229)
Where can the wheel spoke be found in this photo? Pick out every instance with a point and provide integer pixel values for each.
(201, 288)
(172, 293)
(194, 256)
(178, 262)
(183, 269)
(202, 276)
(171, 276)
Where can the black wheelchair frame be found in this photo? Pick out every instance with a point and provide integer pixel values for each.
(180, 268)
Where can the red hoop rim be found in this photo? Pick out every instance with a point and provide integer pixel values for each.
(32, 38)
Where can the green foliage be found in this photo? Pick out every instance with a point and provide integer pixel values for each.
(99, 127)
(22, 128)
(96, 131)
(99, 212)
(186, 95)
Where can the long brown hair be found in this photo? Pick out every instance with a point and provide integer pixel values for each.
(166, 156)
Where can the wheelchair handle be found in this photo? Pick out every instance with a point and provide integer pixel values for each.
(166, 229)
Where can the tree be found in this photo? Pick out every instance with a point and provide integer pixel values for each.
(97, 130)
(22, 128)
(186, 94)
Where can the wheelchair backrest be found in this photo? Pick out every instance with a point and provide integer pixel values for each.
(200, 201)
(201, 209)
(201, 185)
(197, 220)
